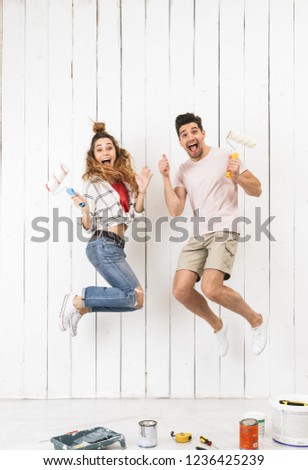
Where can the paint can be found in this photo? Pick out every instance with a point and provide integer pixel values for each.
(260, 417)
(147, 433)
(249, 431)
(290, 419)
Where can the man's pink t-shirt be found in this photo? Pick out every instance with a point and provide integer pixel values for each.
(212, 195)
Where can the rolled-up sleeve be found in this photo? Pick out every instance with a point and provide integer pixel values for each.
(89, 196)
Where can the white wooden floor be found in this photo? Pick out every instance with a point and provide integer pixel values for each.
(29, 424)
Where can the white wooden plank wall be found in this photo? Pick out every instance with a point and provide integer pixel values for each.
(109, 105)
(158, 280)
(256, 286)
(60, 149)
(137, 64)
(282, 172)
(301, 200)
(232, 15)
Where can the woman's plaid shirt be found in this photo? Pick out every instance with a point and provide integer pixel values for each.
(104, 205)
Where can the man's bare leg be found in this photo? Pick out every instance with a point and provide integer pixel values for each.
(213, 288)
(184, 292)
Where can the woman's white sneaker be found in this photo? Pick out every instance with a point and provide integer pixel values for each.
(259, 336)
(74, 322)
(67, 311)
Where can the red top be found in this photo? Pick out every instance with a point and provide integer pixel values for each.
(122, 191)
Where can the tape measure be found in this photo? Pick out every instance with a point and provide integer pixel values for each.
(182, 436)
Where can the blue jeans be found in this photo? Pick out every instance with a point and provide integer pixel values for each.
(108, 257)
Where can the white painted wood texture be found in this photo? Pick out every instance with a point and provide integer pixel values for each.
(60, 150)
(137, 64)
(158, 276)
(13, 164)
(282, 191)
(301, 191)
(257, 249)
(232, 117)
(36, 198)
(109, 98)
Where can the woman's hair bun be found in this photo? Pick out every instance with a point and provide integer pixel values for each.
(98, 127)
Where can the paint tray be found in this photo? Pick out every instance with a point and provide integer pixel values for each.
(88, 439)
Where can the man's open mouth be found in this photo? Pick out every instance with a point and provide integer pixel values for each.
(193, 147)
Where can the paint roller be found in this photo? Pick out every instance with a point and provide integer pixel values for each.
(54, 184)
(240, 138)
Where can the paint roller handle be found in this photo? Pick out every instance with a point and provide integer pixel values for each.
(229, 173)
(71, 192)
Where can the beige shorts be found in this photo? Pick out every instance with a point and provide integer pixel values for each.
(211, 251)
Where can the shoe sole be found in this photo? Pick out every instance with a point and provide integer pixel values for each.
(60, 321)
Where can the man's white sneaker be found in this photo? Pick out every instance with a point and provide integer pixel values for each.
(222, 340)
(74, 322)
(67, 311)
(259, 336)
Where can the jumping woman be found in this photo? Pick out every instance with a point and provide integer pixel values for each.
(113, 194)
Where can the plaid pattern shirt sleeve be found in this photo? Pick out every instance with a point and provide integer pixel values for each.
(104, 206)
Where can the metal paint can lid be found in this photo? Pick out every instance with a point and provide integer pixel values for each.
(148, 422)
(248, 422)
(260, 417)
